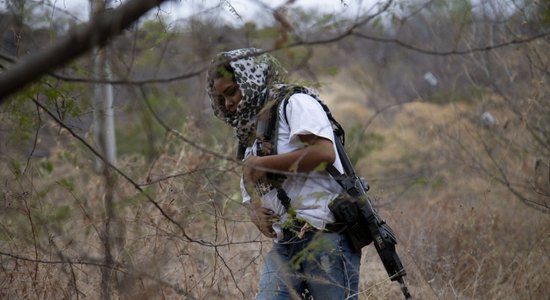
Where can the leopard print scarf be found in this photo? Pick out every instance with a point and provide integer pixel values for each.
(261, 79)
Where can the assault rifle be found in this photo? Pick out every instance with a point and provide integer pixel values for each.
(358, 214)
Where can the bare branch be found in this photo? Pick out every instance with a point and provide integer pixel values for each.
(453, 52)
(89, 262)
(96, 33)
(125, 176)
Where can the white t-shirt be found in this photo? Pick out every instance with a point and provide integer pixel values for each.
(310, 193)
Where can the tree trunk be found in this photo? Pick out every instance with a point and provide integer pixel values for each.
(104, 134)
(104, 129)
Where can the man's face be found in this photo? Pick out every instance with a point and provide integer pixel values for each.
(229, 90)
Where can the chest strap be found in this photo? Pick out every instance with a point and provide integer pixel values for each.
(266, 143)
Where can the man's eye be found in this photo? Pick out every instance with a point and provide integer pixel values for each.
(230, 92)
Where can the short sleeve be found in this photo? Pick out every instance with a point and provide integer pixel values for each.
(306, 116)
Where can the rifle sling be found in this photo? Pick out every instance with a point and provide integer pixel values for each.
(269, 133)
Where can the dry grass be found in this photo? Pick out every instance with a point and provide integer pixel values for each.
(461, 236)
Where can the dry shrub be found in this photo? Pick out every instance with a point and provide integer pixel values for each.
(463, 235)
(460, 235)
(190, 239)
(476, 248)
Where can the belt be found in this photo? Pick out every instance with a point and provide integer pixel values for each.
(336, 227)
(300, 225)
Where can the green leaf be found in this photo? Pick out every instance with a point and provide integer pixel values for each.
(16, 167)
(321, 167)
(66, 183)
(51, 93)
(61, 214)
(332, 71)
(47, 166)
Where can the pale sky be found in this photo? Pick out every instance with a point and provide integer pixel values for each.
(249, 10)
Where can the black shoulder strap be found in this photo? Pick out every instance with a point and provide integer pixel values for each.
(266, 144)
(336, 127)
(267, 131)
(339, 139)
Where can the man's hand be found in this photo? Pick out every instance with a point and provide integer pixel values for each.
(263, 218)
(251, 171)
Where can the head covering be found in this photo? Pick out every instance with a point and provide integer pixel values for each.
(261, 79)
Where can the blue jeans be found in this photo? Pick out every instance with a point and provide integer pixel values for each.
(320, 262)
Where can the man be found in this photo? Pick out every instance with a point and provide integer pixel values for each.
(284, 182)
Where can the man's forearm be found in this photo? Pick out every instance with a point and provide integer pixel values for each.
(306, 159)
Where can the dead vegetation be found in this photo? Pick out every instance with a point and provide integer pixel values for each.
(460, 235)
(459, 166)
